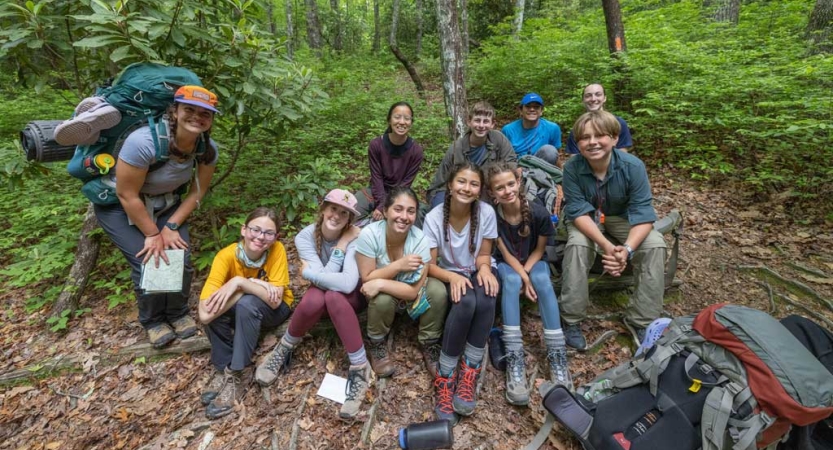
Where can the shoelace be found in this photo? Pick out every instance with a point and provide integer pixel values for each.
(468, 380)
(277, 359)
(380, 350)
(433, 352)
(351, 390)
(558, 363)
(445, 393)
(514, 365)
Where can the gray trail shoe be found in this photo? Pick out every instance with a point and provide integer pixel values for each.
(234, 389)
(358, 381)
(517, 390)
(559, 369)
(277, 361)
(213, 388)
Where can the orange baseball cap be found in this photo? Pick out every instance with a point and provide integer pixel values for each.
(198, 96)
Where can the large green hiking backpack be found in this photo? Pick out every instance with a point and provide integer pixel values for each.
(141, 93)
(730, 377)
(540, 180)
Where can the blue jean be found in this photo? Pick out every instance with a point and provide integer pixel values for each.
(510, 293)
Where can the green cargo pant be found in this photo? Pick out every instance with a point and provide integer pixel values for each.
(382, 309)
(648, 268)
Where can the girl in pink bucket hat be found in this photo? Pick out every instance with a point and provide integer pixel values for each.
(327, 249)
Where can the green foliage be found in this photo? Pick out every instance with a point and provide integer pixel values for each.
(59, 322)
(712, 99)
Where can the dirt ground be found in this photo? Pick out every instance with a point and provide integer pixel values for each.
(141, 403)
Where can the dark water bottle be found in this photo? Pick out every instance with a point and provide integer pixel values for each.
(426, 435)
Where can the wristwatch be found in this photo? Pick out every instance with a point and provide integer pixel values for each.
(172, 226)
(630, 251)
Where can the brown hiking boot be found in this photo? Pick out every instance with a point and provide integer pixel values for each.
(277, 361)
(184, 327)
(160, 335)
(431, 357)
(379, 358)
(235, 384)
(358, 380)
(212, 389)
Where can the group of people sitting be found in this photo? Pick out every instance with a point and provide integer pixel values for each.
(482, 238)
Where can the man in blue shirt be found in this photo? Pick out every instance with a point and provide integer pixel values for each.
(594, 99)
(531, 134)
(609, 211)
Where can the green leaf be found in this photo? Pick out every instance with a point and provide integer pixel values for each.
(99, 41)
(120, 53)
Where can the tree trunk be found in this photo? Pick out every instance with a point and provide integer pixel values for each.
(419, 28)
(464, 27)
(85, 258)
(338, 39)
(290, 30)
(519, 19)
(270, 11)
(727, 11)
(820, 28)
(615, 28)
(399, 55)
(376, 32)
(313, 27)
(451, 51)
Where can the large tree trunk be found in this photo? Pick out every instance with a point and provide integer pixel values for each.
(290, 30)
(85, 257)
(820, 26)
(398, 53)
(464, 26)
(419, 28)
(338, 39)
(313, 27)
(614, 25)
(377, 38)
(727, 11)
(519, 19)
(451, 52)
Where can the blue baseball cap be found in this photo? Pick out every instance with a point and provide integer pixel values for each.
(532, 98)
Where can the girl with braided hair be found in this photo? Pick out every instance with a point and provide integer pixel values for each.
(523, 229)
(461, 233)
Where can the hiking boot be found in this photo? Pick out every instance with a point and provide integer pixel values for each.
(379, 358)
(444, 388)
(517, 391)
(213, 388)
(160, 335)
(574, 337)
(358, 380)
(184, 327)
(431, 357)
(559, 369)
(277, 361)
(235, 384)
(465, 396)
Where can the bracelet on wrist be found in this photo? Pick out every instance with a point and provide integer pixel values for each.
(154, 234)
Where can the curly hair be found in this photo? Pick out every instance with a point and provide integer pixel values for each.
(497, 168)
(210, 152)
(475, 205)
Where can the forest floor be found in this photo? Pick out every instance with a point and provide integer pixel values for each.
(139, 403)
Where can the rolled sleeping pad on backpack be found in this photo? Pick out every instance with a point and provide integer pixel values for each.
(37, 140)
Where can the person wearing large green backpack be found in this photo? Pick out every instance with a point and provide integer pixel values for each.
(149, 216)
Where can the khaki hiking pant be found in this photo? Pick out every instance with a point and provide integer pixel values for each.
(648, 261)
(382, 309)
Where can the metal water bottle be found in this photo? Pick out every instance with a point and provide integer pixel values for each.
(426, 435)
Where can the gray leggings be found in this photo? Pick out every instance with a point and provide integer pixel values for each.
(469, 320)
(154, 309)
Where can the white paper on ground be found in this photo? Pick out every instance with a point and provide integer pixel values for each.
(333, 388)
